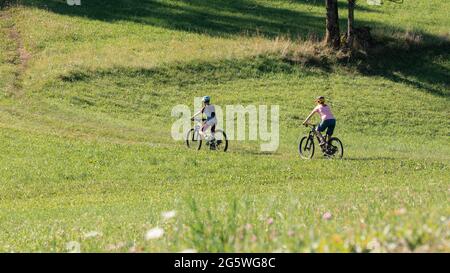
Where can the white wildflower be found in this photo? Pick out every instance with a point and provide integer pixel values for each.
(73, 247)
(189, 250)
(154, 233)
(92, 234)
(169, 214)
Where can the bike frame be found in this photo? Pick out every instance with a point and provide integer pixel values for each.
(314, 132)
(198, 126)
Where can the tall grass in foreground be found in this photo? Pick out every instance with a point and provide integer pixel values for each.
(237, 226)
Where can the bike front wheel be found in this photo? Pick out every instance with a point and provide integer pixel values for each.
(306, 147)
(193, 139)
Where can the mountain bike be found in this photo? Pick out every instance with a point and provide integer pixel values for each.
(194, 139)
(331, 149)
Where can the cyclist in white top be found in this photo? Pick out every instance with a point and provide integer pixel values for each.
(210, 113)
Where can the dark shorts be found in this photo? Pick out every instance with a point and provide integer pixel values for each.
(328, 124)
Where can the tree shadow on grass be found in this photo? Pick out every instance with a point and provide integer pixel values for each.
(196, 72)
(341, 5)
(419, 65)
(213, 17)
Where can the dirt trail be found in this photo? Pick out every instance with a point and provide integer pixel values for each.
(19, 57)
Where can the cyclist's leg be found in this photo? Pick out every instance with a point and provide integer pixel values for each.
(330, 129)
(322, 126)
(212, 123)
(213, 131)
(202, 131)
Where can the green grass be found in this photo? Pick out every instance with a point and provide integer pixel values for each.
(85, 129)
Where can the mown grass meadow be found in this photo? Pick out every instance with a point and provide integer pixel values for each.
(86, 154)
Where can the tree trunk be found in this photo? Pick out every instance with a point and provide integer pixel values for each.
(350, 23)
(332, 37)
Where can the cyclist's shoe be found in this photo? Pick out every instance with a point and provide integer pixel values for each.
(210, 140)
(212, 145)
(329, 151)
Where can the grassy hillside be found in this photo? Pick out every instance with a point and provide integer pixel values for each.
(86, 95)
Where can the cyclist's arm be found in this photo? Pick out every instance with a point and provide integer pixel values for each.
(309, 116)
(199, 112)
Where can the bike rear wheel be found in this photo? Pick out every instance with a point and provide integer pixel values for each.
(335, 148)
(221, 141)
(306, 147)
(193, 139)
